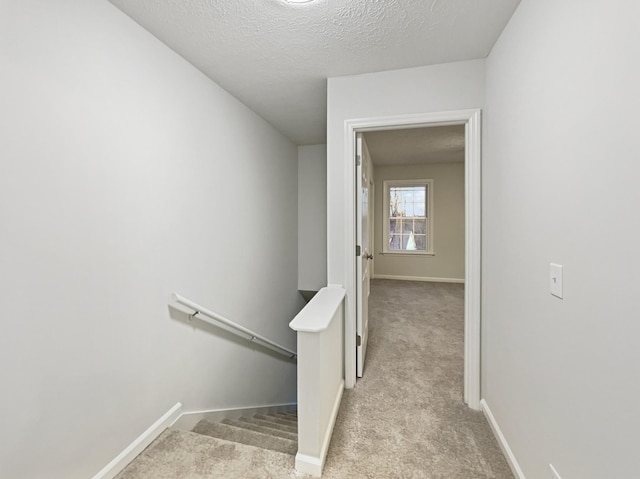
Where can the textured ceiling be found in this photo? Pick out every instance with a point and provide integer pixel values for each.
(441, 144)
(275, 57)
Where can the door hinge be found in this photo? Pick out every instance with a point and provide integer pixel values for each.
(358, 250)
(358, 160)
(358, 340)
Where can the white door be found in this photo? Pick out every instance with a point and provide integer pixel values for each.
(364, 257)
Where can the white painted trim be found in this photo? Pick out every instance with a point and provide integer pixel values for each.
(188, 420)
(136, 447)
(471, 119)
(313, 465)
(419, 278)
(332, 422)
(473, 236)
(310, 465)
(350, 318)
(318, 313)
(386, 186)
(502, 441)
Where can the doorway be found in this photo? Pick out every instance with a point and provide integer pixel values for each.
(470, 120)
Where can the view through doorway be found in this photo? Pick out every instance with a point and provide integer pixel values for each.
(469, 121)
(414, 229)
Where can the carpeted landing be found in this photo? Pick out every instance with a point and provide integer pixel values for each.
(405, 418)
(258, 447)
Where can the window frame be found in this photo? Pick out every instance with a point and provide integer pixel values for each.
(387, 185)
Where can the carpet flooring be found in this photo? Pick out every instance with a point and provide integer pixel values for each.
(405, 419)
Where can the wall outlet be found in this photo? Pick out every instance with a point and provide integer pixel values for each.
(554, 473)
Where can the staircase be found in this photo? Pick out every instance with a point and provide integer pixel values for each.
(275, 431)
(260, 446)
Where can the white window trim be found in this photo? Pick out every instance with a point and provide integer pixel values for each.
(385, 207)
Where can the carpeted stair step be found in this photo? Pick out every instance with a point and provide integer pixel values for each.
(286, 417)
(293, 413)
(245, 436)
(282, 420)
(277, 420)
(270, 424)
(184, 454)
(262, 429)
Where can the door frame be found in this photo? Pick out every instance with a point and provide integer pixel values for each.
(472, 121)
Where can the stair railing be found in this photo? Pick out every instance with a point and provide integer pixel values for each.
(320, 328)
(233, 327)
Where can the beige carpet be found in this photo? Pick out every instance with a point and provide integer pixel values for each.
(405, 418)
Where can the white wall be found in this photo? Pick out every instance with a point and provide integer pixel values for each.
(312, 217)
(560, 185)
(448, 223)
(451, 86)
(123, 173)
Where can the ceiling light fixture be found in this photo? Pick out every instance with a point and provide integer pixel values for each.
(298, 1)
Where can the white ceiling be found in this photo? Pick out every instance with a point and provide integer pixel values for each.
(441, 144)
(275, 57)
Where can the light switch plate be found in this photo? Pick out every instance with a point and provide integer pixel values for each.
(555, 279)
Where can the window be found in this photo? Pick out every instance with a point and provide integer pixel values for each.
(408, 225)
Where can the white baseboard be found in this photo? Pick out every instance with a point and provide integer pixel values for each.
(136, 447)
(188, 420)
(502, 441)
(419, 278)
(313, 465)
(310, 465)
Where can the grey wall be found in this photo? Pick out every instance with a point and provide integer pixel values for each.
(126, 175)
(448, 216)
(312, 217)
(560, 185)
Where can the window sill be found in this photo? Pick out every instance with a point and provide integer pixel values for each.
(408, 253)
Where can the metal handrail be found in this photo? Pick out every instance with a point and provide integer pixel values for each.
(235, 328)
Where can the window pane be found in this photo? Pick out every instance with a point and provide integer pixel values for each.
(421, 242)
(408, 209)
(400, 208)
(393, 202)
(407, 218)
(395, 242)
(420, 226)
